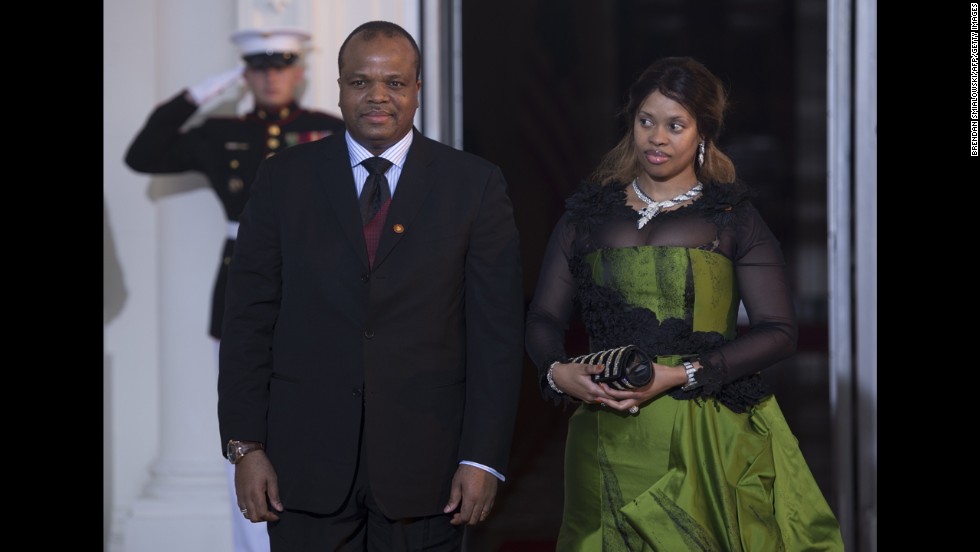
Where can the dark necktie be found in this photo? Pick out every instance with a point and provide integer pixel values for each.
(375, 192)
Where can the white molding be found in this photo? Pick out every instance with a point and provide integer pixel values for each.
(840, 257)
(866, 270)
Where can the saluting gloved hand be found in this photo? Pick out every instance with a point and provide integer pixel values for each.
(213, 86)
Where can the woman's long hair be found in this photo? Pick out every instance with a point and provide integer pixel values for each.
(689, 83)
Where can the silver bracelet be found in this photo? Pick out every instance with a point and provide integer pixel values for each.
(692, 382)
(551, 379)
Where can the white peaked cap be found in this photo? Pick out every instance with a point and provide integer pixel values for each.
(270, 41)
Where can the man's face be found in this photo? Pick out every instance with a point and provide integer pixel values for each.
(274, 87)
(378, 90)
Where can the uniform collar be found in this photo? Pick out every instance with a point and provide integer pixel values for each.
(275, 115)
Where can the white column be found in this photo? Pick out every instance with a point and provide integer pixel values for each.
(185, 505)
(840, 257)
(866, 271)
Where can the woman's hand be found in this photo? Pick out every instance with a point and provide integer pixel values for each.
(576, 380)
(664, 378)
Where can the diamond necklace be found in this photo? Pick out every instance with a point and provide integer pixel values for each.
(654, 208)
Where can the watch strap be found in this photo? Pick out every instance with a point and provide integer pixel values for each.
(238, 449)
(692, 381)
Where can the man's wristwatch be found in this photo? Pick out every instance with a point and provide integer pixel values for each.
(237, 449)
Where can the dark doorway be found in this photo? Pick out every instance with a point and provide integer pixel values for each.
(543, 82)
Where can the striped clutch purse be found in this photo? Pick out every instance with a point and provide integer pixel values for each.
(626, 367)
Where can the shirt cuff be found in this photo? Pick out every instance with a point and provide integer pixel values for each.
(485, 468)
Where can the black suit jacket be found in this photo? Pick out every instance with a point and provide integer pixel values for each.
(424, 351)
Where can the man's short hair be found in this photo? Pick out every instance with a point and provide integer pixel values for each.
(372, 29)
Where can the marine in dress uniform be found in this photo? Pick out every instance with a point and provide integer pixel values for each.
(228, 151)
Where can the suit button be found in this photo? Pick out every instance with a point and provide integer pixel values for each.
(356, 392)
(369, 334)
(365, 278)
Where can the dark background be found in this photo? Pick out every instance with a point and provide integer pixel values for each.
(543, 84)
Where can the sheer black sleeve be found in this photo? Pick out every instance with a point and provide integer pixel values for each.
(760, 274)
(552, 305)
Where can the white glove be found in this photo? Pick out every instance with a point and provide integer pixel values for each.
(213, 86)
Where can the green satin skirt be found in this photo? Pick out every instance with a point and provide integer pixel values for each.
(682, 476)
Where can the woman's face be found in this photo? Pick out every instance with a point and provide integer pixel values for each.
(666, 138)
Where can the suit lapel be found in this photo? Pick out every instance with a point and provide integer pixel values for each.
(337, 183)
(410, 194)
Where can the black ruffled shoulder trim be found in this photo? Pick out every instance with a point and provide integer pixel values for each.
(719, 202)
(593, 205)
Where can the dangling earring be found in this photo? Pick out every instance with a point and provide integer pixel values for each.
(701, 154)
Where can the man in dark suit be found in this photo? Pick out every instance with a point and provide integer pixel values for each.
(228, 150)
(368, 397)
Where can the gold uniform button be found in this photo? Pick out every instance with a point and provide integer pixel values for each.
(227, 260)
(274, 130)
(398, 229)
(235, 184)
(273, 143)
(233, 164)
(283, 113)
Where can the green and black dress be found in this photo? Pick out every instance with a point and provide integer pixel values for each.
(715, 468)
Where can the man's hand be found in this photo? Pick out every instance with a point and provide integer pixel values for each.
(473, 491)
(257, 487)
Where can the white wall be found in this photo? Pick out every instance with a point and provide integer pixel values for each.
(130, 339)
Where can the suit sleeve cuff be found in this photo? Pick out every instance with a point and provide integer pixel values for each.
(485, 468)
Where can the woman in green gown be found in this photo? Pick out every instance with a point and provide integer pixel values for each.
(657, 251)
